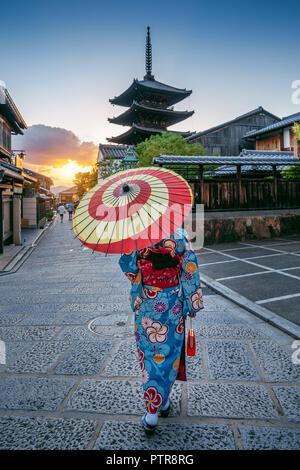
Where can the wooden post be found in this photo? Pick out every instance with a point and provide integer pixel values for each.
(17, 219)
(275, 183)
(1, 223)
(239, 181)
(201, 184)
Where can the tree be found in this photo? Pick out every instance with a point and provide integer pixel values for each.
(166, 143)
(108, 166)
(82, 182)
(296, 131)
(293, 171)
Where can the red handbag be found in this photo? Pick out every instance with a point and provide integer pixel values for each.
(191, 341)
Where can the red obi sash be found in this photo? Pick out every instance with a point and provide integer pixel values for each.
(161, 278)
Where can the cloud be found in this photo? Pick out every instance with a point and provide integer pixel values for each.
(54, 146)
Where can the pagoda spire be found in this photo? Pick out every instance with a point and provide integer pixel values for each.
(148, 75)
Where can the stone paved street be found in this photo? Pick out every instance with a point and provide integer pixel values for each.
(72, 379)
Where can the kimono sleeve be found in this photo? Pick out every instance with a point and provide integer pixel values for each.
(190, 280)
(128, 265)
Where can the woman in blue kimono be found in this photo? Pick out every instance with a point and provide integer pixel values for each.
(166, 287)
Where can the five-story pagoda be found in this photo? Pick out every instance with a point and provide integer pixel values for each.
(149, 103)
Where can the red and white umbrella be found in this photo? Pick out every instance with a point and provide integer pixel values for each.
(132, 209)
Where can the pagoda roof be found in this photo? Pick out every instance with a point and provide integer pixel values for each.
(128, 117)
(137, 134)
(173, 94)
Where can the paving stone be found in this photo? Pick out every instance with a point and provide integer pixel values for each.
(115, 397)
(28, 333)
(80, 307)
(237, 331)
(289, 399)
(131, 436)
(22, 433)
(269, 438)
(85, 358)
(229, 360)
(33, 308)
(275, 362)
(40, 358)
(33, 393)
(214, 307)
(41, 319)
(124, 362)
(115, 331)
(12, 350)
(64, 298)
(205, 316)
(102, 291)
(113, 319)
(76, 318)
(77, 333)
(8, 319)
(194, 365)
(230, 401)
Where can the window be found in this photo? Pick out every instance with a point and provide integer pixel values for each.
(286, 138)
(5, 135)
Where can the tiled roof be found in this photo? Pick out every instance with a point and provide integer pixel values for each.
(288, 121)
(173, 116)
(118, 152)
(162, 86)
(153, 86)
(72, 190)
(232, 121)
(265, 153)
(37, 175)
(143, 131)
(245, 158)
(246, 169)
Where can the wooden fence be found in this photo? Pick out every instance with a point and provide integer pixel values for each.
(246, 193)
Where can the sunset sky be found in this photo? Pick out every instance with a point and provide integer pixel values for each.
(62, 61)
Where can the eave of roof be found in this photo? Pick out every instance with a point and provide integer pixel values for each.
(11, 171)
(116, 151)
(271, 159)
(142, 130)
(152, 86)
(287, 122)
(125, 117)
(232, 121)
(11, 112)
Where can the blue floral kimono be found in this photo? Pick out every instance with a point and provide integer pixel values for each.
(160, 317)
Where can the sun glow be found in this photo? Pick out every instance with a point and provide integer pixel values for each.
(69, 170)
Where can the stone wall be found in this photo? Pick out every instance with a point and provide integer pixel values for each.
(241, 227)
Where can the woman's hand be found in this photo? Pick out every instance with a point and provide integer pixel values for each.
(192, 315)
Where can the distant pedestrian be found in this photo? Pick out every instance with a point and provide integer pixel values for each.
(70, 207)
(61, 210)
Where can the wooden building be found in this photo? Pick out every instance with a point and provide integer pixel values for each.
(37, 199)
(278, 136)
(11, 175)
(150, 106)
(228, 138)
(68, 195)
